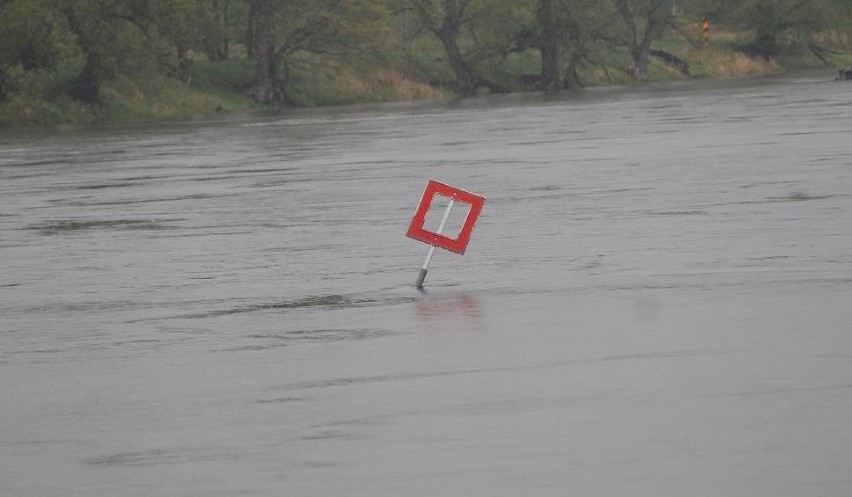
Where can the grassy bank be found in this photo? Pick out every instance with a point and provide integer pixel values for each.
(222, 87)
(126, 100)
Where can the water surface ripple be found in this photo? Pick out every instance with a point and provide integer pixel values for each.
(656, 300)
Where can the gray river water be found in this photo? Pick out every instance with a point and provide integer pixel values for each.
(656, 301)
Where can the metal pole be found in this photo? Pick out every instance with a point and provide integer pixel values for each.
(425, 268)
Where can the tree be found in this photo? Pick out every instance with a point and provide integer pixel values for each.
(782, 26)
(645, 20)
(551, 34)
(216, 33)
(568, 33)
(261, 45)
(445, 20)
(279, 29)
(779, 25)
(39, 54)
(74, 47)
(115, 38)
(488, 28)
(180, 27)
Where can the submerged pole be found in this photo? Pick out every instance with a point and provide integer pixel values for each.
(422, 276)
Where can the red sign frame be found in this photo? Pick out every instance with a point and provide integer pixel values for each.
(457, 245)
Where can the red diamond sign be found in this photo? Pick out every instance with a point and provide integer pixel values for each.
(437, 239)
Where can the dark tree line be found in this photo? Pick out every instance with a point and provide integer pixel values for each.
(72, 48)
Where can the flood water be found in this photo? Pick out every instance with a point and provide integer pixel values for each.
(656, 301)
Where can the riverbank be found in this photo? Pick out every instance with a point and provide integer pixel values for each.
(222, 87)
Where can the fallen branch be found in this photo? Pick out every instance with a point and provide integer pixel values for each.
(820, 52)
(673, 60)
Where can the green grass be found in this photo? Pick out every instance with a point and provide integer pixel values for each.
(316, 82)
(233, 75)
(19, 110)
(162, 98)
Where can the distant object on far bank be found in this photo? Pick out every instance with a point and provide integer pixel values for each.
(844, 73)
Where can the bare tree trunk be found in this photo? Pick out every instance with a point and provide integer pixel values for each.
(87, 87)
(265, 73)
(640, 49)
(447, 29)
(2, 84)
(465, 77)
(256, 10)
(639, 66)
(262, 49)
(549, 45)
(223, 43)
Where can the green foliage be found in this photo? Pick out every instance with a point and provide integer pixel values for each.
(645, 21)
(35, 36)
(477, 36)
(352, 29)
(779, 24)
(88, 60)
(425, 62)
(784, 27)
(40, 54)
(574, 35)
